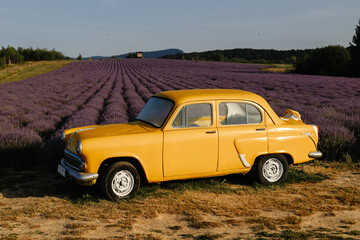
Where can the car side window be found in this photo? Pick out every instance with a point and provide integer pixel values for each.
(253, 114)
(235, 113)
(194, 115)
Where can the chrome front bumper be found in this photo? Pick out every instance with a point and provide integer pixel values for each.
(78, 176)
(317, 154)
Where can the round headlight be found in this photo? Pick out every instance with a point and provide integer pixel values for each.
(62, 136)
(79, 147)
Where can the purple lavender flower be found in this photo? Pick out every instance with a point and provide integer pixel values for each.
(34, 110)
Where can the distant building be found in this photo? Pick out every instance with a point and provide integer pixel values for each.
(139, 54)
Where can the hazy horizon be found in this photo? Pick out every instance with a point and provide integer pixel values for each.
(113, 27)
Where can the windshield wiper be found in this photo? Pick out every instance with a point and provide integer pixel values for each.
(141, 120)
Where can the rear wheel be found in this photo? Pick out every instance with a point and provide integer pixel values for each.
(119, 181)
(271, 169)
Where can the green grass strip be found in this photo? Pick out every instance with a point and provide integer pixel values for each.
(29, 70)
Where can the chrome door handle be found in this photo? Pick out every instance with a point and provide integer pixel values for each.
(210, 132)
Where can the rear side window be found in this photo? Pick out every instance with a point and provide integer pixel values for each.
(235, 113)
(194, 115)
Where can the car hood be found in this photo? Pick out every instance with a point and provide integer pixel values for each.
(101, 131)
(113, 130)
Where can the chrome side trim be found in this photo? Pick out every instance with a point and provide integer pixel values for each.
(81, 177)
(309, 135)
(317, 154)
(243, 160)
(84, 129)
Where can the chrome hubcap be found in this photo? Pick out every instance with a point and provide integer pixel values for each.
(122, 183)
(272, 170)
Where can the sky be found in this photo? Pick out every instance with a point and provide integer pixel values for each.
(113, 27)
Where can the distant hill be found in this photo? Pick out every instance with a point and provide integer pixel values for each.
(150, 54)
(245, 55)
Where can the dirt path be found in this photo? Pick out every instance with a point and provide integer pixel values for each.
(39, 205)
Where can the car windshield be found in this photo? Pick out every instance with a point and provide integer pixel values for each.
(155, 111)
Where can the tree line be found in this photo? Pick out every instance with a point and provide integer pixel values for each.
(245, 55)
(10, 55)
(333, 60)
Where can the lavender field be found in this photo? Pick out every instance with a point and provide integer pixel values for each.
(35, 110)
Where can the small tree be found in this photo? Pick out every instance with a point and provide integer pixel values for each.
(131, 55)
(2, 63)
(355, 52)
(217, 56)
(330, 60)
(79, 57)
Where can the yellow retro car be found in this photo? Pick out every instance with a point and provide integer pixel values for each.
(189, 134)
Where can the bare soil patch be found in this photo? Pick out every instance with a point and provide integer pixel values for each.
(323, 203)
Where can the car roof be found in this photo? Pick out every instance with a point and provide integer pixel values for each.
(182, 96)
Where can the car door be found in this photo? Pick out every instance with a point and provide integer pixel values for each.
(242, 134)
(191, 141)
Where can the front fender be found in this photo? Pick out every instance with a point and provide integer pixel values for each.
(146, 148)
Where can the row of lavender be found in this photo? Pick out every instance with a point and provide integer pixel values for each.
(99, 92)
(32, 110)
(333, 103)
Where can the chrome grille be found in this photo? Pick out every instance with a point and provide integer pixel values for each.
(73, 160)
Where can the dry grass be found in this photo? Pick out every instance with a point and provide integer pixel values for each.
(349, 221)
(196, 220)
(29, 69)
(285, 68)
(325, 196)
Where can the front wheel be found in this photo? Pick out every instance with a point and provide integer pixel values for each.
(271, 169)
(120, 180)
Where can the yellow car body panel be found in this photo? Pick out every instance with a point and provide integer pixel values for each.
(190, 151)
(292, 141)
(210, 149)
(121, 141)
(239, 145)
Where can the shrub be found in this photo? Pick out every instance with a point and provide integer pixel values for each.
(18, 144)
(330, 60)
(131, 55)
(2, 63)
(336, 143)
